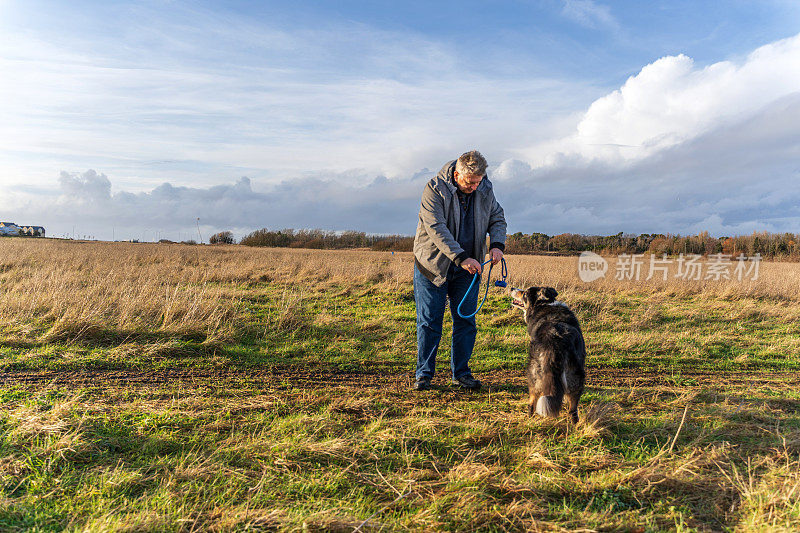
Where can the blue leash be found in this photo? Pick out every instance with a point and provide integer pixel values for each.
(498, 283)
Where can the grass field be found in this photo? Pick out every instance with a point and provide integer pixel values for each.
(190, 388)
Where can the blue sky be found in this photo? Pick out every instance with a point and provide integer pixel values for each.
(596, 117)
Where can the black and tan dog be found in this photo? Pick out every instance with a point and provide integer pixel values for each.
(556, 353)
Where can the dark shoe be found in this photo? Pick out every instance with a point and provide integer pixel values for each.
(467, 382)
(422, 384)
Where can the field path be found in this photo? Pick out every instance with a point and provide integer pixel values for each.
(375, 378)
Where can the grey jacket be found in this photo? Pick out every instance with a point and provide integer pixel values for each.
(435, 244)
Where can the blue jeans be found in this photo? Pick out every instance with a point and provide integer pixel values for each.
(430, 301)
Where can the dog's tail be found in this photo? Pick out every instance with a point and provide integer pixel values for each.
(552, 380)
(549, 406)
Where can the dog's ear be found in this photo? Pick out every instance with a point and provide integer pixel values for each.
(549, 293)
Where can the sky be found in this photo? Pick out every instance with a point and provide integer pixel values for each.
(135, 119)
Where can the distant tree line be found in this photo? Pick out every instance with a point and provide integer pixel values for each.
(769, 245)
(321, 239)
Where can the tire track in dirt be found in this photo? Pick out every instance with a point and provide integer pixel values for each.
(373, 377)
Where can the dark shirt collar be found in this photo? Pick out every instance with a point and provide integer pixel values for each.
(465, 199)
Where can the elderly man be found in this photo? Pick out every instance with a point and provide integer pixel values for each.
(458, 210)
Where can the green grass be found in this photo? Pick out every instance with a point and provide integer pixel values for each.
(241, 451)
(348, 326)
(171, 456)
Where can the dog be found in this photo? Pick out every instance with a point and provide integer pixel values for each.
(556, 353)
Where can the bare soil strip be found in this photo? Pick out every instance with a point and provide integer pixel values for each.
(372, 378)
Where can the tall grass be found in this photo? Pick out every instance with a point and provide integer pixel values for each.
(58, 289)
(69, 290)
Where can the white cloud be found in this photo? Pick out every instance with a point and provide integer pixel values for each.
(671, 101)
(589, 14)
(276, 103)
(89, 186)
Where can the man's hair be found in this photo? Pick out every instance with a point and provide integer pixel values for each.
(471, 163)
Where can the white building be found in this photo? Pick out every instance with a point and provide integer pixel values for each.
(33, 231)
(9, 228)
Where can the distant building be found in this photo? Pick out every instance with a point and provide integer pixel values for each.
(33, 231)
(9, 228)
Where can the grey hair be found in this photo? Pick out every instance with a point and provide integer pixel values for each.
(471, 163)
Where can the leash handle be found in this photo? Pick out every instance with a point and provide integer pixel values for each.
(498, 283)
(503, 274)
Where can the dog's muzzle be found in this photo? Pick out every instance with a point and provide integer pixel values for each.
(516, 297)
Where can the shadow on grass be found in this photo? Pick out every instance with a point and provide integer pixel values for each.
(111, 459)
(102, 338)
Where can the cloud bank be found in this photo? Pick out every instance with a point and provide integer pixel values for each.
(677, 148)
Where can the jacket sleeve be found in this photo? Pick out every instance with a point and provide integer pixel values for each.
(497, 226)
(433, 218)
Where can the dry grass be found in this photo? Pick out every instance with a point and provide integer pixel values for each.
(775, 280)
(69, 290)
(75, 290)
(83, 290)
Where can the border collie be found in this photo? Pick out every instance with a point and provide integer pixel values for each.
(556, 353)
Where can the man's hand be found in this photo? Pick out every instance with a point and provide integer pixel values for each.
(495, 255)
(471, 265)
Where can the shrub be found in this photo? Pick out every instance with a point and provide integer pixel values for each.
(223, 237)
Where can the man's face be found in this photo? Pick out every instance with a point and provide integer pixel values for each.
(467, 183)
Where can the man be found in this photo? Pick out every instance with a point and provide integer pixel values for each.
(458, 210)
